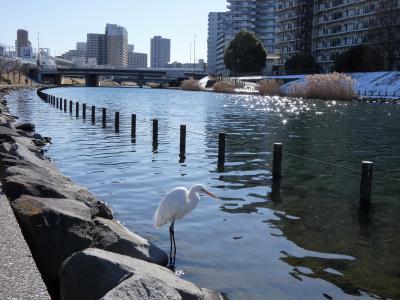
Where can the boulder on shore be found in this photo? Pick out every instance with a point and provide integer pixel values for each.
(29, 127)
(48, 183)
(54, 229)
(94, 273)
(112, 236)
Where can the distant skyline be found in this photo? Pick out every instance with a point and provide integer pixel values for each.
(63, 23)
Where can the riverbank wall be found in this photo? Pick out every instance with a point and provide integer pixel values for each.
(79, 249)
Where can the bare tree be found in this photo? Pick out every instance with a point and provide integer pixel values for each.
(4, 66)
(384, 31)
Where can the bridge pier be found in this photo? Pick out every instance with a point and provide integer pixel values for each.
(140, 80)
(91, 80)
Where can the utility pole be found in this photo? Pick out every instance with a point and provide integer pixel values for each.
(194, 54)
(38, 51)
(190, 58)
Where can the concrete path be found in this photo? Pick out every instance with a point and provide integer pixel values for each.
(19, 276)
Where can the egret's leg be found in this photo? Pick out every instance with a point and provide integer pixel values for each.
(173, 239)
(170, 248)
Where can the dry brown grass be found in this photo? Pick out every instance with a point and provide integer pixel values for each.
(270, 87)
(190, 85)
(223, 87)
(334, 86)
(153, 85)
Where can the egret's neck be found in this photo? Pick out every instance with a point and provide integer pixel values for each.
(193, 199)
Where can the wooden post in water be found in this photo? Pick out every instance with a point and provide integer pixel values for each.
(93, 114)
(84, 110)
(182, 140)
(103, 117)
(221, 150)
(277, 162)
(155, 131)
(116, 121)
(366, 183)
(61, 103)
(57, 100)
(65, 105)
(70, 106)
(133, 126)
(77, 109)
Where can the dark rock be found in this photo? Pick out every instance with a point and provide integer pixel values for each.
(95, 273)
(112, 236)
(138, 288)
(54, 229)
(48, 182)
(26, 127)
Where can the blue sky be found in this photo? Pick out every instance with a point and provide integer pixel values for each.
(63, 23)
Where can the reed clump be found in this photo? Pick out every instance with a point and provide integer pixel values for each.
(153, 85)
(270, 87)
(190, 85)
(334, 86)
(224, 87)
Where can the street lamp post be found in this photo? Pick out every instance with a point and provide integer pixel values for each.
(238, 63)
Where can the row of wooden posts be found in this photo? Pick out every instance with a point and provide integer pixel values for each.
(371, 93)
(366, 166)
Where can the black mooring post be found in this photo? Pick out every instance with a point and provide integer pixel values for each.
(277, 162)
(221, 150)
(366, 183)
(103, 117)
(65, 105)
(77, 109)
(70, 106)
(84, 110)
(93, 114)
(61, 104)
(116, 120)
(133, 126)
(182, 139)
(155, 131)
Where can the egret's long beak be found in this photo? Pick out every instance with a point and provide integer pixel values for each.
(210, 194)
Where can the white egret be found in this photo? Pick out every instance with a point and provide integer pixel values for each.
(178, 203)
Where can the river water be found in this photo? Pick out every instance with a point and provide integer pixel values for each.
(306, 240)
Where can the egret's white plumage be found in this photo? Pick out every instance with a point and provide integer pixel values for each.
(178, 203)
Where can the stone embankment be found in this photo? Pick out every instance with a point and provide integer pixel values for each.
(80, 250)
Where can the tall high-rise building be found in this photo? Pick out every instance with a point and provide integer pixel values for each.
(137, 60)
(294, 26)
(324, 28)
(96, 45)
(131, 48)
(117, 46)
(256, 16)
(160, 52)
(22, 41)
(81, 46)
(216, 28)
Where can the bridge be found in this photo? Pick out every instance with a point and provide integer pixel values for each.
(92, 75)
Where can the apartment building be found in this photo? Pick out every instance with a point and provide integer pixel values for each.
(96, 45)
(323, 28)
(117, 46)
(137, 60)
(160, 52)
(256, 16)
(339, 25)
(216, 28)
(22, 42)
